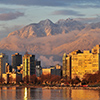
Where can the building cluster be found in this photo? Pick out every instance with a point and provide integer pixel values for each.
(79, 63)
(22, 67)
(76, 63)
(53, 70)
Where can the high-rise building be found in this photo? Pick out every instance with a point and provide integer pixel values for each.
(38, 68)
(64, 69)
(81, 63)
(16, 60)
(28, 66)
(3, 61)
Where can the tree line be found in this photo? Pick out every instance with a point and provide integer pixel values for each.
(55, 79)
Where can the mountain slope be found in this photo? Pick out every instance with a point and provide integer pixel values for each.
(53, 45)
(48, 28)
(52, 39)
(85, 42)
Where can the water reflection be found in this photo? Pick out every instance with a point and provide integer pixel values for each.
(67, 93)
(25, 96)
(6, 95)
(86, 94)
(13, 93)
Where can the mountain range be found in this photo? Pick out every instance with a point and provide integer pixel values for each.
(50, 40)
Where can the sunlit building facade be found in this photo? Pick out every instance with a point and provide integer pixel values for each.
(66, 70)
(46, 71)
(28, 66)
(83, 62)
(53, 70)
(10, 77)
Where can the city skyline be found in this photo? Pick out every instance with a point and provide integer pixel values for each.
(77, 65)
(16, 14)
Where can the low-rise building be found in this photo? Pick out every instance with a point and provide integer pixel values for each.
(46, 71)
(56, 72)
(53, 70)
(11, 77)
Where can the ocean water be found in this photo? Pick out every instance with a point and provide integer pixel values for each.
(13, 93)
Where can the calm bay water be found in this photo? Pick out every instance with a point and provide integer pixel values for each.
(13, 93)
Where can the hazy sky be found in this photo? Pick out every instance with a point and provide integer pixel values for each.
(14, 14)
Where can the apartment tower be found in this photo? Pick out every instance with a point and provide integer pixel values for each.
(3, 61)
(16, 60)
(81, 63)
(28, 66)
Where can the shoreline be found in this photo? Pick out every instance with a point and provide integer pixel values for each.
(53, 87)
(21, 86)
(77, 88)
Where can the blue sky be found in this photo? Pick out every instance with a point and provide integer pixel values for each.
(14, 14)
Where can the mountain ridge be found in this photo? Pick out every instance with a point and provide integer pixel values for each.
(50, 39)
(47, 28)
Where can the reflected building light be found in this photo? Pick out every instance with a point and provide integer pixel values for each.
(25, 96)
(4, 93)
(4, 88)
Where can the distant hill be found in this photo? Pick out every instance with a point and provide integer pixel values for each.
(52, 39)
